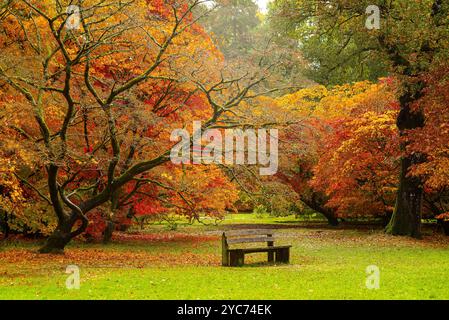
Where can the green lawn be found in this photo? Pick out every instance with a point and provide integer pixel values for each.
(185, 264)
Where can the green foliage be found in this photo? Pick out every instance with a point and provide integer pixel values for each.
(340, 49)
(233, 24)
(335, 55)
(335, 60)
(244, 36)
(260, 211)
(36, 218)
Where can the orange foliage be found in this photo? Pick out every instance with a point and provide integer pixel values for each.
(126, 41)
(346, 148)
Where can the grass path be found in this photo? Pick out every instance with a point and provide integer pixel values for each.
(326, 264)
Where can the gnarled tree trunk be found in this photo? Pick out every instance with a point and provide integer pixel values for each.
(57, 241)
(315, 203)
(63, 234)
(406, 218)
(108, 231)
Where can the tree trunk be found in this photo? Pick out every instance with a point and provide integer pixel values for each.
(387, 218)
(444, 225)
(319, 207)
(58, 239)
(108, 231)
(406, 218)
(110, 225)
(63, 234)
(331, 219)
(4, 223)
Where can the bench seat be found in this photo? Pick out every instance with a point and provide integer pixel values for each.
(236, 256)
(262, 249)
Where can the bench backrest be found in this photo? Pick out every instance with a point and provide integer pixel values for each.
(248, 236)
(244, 236)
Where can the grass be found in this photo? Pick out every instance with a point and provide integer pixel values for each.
(326, 263)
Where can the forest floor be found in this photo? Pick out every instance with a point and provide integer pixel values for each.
(326, 263)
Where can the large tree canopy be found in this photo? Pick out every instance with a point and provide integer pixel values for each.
(91, 92)
(93, 95)
(412, 38)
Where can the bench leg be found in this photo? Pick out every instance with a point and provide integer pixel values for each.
(286, 255)
(236, 258)
(270, 253)
(225, 258)
(283, 255)
(224, 251)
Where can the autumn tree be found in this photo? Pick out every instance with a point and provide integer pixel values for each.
(432, 140)
(411, 38)
(358, 161)
(100, 85)
(322, 124)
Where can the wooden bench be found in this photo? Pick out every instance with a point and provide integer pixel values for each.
(236, 256)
